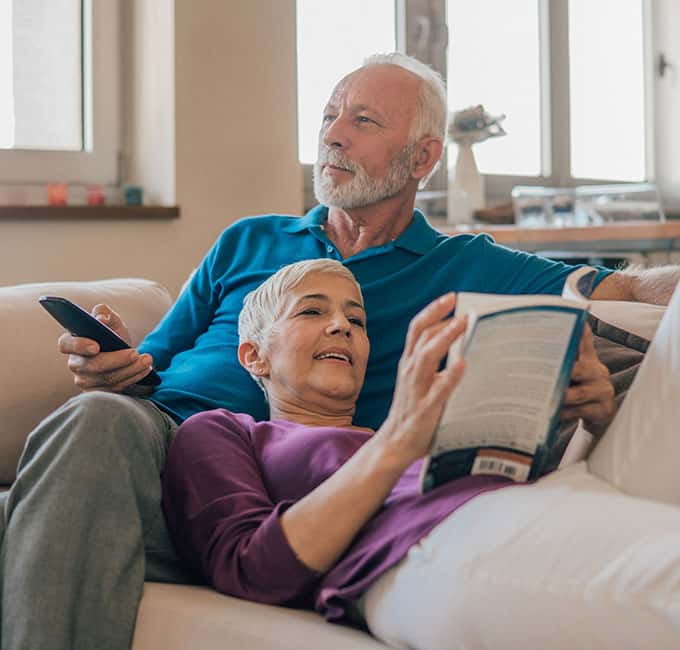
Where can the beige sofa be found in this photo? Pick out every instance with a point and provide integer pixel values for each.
(559, 560)
(34, 380)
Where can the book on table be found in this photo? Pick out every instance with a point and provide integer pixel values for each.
(503, 418)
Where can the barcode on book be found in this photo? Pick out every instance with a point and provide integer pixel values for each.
(516, 468)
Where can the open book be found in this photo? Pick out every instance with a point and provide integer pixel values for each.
(503, 417)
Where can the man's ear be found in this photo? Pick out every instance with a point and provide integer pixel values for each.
(428, 152)
(251, 358)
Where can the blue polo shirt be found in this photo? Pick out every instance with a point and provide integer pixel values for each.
(195, 345)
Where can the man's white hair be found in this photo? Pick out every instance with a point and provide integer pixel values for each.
(263, 306)
(432, 114)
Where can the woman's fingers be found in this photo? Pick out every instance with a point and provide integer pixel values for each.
(430, 348)
(430, 315)
(446, 380)
(435, 348)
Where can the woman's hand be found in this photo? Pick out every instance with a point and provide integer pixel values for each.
(421, 388)
(591, 394)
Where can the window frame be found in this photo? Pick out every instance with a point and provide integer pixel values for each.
(555, 106)
(99, 161)
(556, 145)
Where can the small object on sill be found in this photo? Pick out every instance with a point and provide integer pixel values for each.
(134, 195)
(57, 194)
(458, 206)
(501, 213)
(95, 195)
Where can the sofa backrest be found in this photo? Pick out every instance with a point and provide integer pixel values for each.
(34, 378)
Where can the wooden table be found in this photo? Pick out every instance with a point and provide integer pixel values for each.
(634, 236)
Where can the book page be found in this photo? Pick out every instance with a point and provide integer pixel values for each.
(507, 394)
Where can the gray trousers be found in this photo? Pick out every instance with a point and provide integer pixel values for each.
(83, 526)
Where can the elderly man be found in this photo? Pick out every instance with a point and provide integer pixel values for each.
(83, 524)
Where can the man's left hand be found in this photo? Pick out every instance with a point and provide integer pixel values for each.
(591, 393)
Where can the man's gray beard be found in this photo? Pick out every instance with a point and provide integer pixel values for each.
(361, 190)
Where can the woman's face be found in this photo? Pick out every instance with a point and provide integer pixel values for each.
(317, 352)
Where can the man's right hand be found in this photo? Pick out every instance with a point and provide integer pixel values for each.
(108, 371)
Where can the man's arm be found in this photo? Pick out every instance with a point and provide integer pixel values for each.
(638, 284)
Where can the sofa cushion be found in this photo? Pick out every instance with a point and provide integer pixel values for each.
(176, 617)
(33, 375)
(640, 452)
(622, 332)
(638, 318)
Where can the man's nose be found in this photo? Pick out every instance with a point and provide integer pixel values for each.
(336, 134)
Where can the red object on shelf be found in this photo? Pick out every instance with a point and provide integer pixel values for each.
(57, 193)
(95, 195)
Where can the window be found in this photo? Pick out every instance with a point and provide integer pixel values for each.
(493, 59)
(574, 78)
(326, 55)
(607, 89)
(59, 91)
(569, 75)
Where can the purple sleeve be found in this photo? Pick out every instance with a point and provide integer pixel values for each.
(221, 517)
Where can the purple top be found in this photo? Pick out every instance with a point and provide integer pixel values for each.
(228, 479)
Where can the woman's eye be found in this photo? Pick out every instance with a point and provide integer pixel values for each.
(364, 119)
(327, 118)
(310, 311)
(357, 321)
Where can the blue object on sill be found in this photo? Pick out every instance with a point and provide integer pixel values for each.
(134, 195)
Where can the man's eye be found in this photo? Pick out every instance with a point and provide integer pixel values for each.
(327, 118)
(357, 321)
(364, 119)
(310, 311)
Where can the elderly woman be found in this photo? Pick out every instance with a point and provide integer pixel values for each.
(308, 508)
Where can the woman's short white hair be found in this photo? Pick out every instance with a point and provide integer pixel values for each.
(262, 307)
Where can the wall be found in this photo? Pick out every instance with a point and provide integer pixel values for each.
(211, 105)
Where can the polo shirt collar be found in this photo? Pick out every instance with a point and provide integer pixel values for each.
(419, 237)
(314, 218)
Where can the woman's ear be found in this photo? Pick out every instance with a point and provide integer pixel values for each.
(252, 359)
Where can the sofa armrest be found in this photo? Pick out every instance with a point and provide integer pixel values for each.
(33, 375)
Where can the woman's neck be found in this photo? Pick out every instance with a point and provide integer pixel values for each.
(340, 418)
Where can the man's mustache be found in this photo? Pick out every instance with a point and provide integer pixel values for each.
(337, 159)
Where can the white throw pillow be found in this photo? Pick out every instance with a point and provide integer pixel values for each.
(563, 564)
(637, 317)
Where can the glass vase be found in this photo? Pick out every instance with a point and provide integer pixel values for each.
(465, 192)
